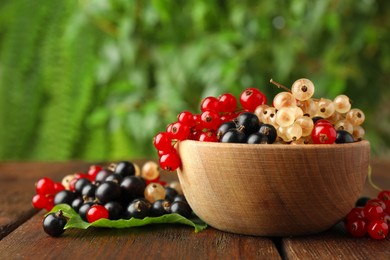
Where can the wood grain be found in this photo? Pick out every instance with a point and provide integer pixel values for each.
(272, 190)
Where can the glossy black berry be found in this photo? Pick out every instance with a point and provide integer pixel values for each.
(181, 208)
(84, 209)
(138, 208)
(54, 223)
(76, 203)
(125, 168)
(116, 177)
(249, 123)
(180, 198)
(108, 191)
(79, 185)
(132, 187)
(64, 196)
(270, 131)
(224, 128)
(160, 207)
(88, 191)
(343, 136)
(234, 136)
(257, 138)
(102, 175)
(362, 201)
(115, 210)
(170, 193)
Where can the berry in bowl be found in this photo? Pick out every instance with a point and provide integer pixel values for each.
(291, 168)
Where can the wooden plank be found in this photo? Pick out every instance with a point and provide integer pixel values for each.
(149, 242)
(336, 243)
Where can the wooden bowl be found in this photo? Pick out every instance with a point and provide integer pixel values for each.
(275, 189)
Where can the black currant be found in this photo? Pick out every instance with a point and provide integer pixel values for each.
(54, 223)
(115, 210)
(64, 196)
(224, 128)
(79, 185)
(234, 136)
(257, 138)
(249, 121)
(270, 131)
(88, 191)
(108, 191)
(84, 209)
(102, 175)
(160, 207)
(170, 193)
(138, 208)
(343, 136)
(125, 168)
(181, 208)
(362, 201)
(180, 198)
(116, 177)
(76, 203)
(132, 187)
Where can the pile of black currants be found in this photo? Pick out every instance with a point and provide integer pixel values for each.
(119, 191)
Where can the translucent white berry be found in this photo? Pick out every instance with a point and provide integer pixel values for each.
(284, 99)
(342, 103)
(355, 116)
(285, 116)
(150, 171)
(325, 108)
(302, 89)
(309, 107)
(358, 133)
(154, 191)
(293, 132)
(306, 124)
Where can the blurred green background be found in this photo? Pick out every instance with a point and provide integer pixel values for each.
(96, 80)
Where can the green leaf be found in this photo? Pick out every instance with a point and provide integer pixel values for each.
(75, 221)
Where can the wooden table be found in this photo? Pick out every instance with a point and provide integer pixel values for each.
(22, 236)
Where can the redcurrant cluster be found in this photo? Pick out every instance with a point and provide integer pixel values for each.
(370, 216)
(120, 191)
(294, 117)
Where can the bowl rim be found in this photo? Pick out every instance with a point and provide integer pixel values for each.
(277, 146)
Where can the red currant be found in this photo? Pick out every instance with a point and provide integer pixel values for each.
(96, 212)
(357, 227)
(186, 118)
(170, 161)
(163, 141)
(227, 102)
(252, 98)
(45, 186)
(322, 122)
(210, 120)
(93, 170)
(378, 229)
(210, 103)
(384, 195)
(180, 131)
(58, 187)
(373, 212)
(208, 137)
(355, 213)
(323, 134)
(40, 201)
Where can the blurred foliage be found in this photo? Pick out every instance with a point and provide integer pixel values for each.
(98, 79)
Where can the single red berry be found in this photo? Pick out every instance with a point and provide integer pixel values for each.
(93, 170)
(163, 141)
(373, 212)
(384, 195)
(180, 131)
(210, 120)
(210, 103)
(58, 187)
(323, 134)
(378, 229)
(169, 128)
(355, 213)
(170, 161)
(40, 201)
(208, 137)
(252, 98)
(45, 186)
(50, 203)
(376, 202)
(186, 118)
(227, 102)
(194, 135)
(357, 227)
(96, 212)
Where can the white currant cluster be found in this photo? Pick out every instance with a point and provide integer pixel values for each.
(293, 111)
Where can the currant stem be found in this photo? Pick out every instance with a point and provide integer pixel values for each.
(369, 177)
(279, 85)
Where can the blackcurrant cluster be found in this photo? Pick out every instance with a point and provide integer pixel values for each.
(370, 216)
(294, 117)
(119, 191)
